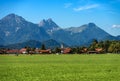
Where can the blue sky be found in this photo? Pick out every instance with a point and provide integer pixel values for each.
(67, 13)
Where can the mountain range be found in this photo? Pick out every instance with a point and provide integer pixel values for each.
(34, 44)
(15, 29)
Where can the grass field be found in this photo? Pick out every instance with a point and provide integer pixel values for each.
(104, 67)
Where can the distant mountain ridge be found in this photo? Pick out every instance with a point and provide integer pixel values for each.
(118, 36)
(15, 29)
(49, 44)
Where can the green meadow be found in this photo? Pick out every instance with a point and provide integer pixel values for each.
(93, 67)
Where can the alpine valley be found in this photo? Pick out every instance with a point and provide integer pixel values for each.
(15, 31)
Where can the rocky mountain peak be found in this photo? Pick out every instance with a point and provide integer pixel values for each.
(11, 15)
(13, 18)
(48, 24)
(42, 23)
(91, 25)
(49, 20)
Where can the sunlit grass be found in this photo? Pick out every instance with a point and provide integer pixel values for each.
(105, 67)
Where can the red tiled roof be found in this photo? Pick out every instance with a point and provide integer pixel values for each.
(23, 49)
(13, 51)
(98, 49)
(67, 50)
(45, 51)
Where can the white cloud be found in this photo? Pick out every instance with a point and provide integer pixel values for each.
(115, 26)
(86, 7)
(67, 5)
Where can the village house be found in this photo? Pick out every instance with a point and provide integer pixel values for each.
(84, 50)
(97, 51)
(48, 51)
(1, 52)
(23, 51)
(37, 51)
(12, 51)
(66, 50)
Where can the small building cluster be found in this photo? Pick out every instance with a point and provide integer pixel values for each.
(49, 51)
(26, 51)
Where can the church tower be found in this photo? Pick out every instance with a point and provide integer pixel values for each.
(62, 48)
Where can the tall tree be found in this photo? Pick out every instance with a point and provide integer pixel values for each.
(93, 45)
(57, 50)
(28, 49)
(106, 45)
(43, 47)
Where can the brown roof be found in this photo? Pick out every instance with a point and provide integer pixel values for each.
(13, 51)
(23, 49)
(67, 50)
(45, 51)
(98, 49)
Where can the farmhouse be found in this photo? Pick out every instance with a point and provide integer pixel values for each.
(48, 51)
(1, 52)
(100, 50)
(66, 50)
(23, 51)
(97, 51)
(84, 50)
(12, 51)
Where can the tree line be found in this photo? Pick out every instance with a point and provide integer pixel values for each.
(101, 46)
(105, 46)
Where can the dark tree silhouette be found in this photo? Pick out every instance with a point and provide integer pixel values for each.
(43, 47)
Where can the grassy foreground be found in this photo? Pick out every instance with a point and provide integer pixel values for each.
(105, 67)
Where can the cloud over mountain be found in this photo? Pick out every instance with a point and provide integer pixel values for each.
(115, 26)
